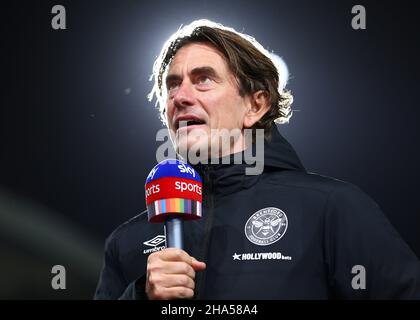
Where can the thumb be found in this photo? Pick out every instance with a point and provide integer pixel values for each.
(197, 265)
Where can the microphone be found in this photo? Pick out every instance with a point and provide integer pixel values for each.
(173, 195)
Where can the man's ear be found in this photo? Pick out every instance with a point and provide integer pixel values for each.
(259, 104)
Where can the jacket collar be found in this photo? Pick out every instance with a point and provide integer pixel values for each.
(227, 178)
(279, 153)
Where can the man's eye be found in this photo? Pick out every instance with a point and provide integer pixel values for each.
(172, 86)
(204, 80)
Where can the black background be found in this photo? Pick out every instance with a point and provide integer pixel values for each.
(78, 133)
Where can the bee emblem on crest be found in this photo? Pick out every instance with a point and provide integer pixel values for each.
(266, 226)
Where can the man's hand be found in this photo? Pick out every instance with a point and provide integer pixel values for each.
(171, 274)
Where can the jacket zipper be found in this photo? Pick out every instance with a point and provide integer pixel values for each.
(201, 277)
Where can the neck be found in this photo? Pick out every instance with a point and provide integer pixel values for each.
(235, 147)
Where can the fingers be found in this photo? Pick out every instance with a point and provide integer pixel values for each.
(198, 265)
(171, 273)
(181, 292)
(174, 254)
(172, 293)
(172, 281)
(169, 267)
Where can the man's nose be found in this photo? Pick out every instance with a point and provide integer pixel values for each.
(184, 96)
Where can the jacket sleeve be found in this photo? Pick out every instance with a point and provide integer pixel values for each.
(112, 284)
(366, 258)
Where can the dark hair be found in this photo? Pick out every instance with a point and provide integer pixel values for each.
(251, 64)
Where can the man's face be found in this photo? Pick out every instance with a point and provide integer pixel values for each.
(203, 92)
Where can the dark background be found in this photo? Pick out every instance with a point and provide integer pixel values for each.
(78, 133)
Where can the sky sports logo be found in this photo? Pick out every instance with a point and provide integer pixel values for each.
(181, 186)
(181, 167)
(154, 189)
(186, 169)
(191, 187)
(152, 173)
(173, 179)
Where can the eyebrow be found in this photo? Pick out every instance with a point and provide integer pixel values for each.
(207, 70)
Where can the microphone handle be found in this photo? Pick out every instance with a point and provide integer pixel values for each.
(174, 232)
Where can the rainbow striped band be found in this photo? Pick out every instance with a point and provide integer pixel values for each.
(186, 209)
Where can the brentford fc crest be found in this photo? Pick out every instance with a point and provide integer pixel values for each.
(266, 226)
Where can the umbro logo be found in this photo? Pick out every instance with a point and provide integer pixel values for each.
(155, 241)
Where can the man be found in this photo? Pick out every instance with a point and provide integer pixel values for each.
(281, 234)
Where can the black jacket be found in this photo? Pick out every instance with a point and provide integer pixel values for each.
(283, 234)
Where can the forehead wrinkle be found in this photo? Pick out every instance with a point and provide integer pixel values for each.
(209, 60)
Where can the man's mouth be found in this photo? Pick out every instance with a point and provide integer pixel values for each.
(189, 122)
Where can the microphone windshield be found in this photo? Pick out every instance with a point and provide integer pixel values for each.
(173, 189)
